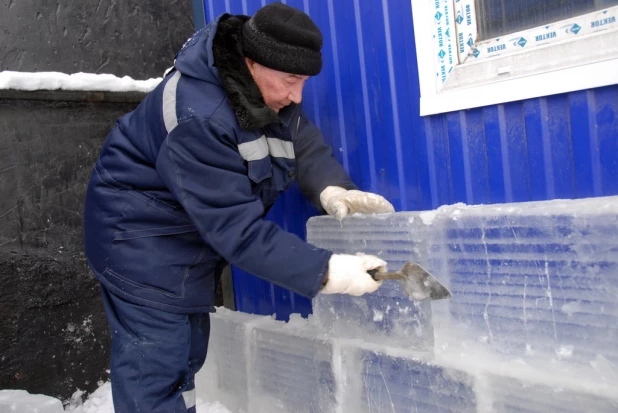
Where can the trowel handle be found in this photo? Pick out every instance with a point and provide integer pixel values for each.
(378, 276)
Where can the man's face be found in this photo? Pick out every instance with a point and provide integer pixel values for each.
(279, 89)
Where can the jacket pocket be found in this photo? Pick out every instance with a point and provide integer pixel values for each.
(160, 259)
(153, 232)
(284, 173)
(260, 169)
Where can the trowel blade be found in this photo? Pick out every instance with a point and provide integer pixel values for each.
(420, 285)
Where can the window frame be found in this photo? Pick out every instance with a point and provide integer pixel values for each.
(591, 61)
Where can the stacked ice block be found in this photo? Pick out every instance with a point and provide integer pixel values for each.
(538, 279)
(292, 369)
(229, 349)
(257, 364)
(510, 395)
(381, 382)
(387, 316)
(532, 325)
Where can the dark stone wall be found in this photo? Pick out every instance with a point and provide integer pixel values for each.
(121, 37)
(54, 337)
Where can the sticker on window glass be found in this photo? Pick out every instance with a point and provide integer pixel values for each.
(444, 39)
(465, 21)
(566, 29)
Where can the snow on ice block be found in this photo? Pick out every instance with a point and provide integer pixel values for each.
(229, 347)
(378, 382)
(388, 315)
(291, 369)
(510, 395)
(12, 401)
(537, 280)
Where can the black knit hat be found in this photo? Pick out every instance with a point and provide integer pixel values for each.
(283, 38)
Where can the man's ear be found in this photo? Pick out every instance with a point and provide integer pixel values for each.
(250, 63)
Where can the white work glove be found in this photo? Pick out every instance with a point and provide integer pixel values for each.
(340, 202)
(347, 274)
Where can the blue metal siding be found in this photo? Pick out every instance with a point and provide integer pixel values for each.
(199, 18)
(366, 102)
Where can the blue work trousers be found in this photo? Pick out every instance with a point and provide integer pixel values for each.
(155, 356)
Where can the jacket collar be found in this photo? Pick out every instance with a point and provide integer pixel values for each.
(242, 92)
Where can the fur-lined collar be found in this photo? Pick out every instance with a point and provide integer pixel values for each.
(242, 91)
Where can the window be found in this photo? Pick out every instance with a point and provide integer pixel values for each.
(480, 52)
(500, 17)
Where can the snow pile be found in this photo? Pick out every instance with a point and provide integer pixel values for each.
(76, 81)
(22, 401)
(101, 402)
(214, 407)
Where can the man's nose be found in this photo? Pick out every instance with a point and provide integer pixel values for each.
(296, 93)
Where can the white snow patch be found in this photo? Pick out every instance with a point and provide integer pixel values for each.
(378, 315)
(428, 217)
(529, 350)
(101, 402)
(76, 81)
(451, 211)
(565, 352)
(296, 320)
(455, 213)
(22, 401)
(214, 407)
(571, 308)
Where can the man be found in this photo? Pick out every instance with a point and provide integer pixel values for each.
(181, 188)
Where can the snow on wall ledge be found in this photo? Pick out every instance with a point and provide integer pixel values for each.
(532, 325)
(76, 81)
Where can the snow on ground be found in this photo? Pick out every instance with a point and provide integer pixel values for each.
(101, 402)
(98, 402)
(76, 81)
(20, 401)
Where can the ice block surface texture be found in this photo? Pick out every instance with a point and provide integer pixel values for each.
(517, 396)
(229, 348)
(292, 370)
(377, 382)
(534, 279)
(532, 325)
(388, 315)
(535, 297)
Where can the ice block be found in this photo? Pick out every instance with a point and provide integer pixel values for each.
(536, 280)
(291, 369)
(379, 382)
(388, 315)
(510, 395)
(229, 348)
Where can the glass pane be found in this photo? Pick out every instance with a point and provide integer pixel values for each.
(499, 17)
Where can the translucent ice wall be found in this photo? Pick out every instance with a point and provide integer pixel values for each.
(532, 325)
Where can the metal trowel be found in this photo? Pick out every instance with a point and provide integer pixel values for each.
(417, 282)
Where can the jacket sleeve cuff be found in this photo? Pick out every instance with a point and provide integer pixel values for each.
(321, 276)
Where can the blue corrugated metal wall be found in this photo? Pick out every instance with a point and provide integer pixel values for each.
(366, 102)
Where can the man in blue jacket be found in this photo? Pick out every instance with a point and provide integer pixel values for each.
(181, 188)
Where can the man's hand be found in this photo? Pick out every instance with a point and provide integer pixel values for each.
(340, 202)
(347, 274)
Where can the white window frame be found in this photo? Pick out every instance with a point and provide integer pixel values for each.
(576, 63)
